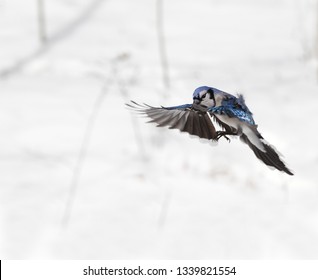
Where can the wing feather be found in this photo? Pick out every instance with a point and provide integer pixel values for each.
(196, 126)
(210, 127)
(204, 127)
(188, 126)
(181, 121)
(186, 118)
(171, 119)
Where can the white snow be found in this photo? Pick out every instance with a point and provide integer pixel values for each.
(146, 192)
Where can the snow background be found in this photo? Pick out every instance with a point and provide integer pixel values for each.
(143, 192)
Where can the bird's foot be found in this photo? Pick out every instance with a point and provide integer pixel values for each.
(222, 134)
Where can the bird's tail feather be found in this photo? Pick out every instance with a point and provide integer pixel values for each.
(270, 157)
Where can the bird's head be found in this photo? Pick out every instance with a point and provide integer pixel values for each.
(204, 96)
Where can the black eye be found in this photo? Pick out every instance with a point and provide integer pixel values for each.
(210, 90)
(204, 95)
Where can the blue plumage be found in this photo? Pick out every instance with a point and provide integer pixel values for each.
(197, 91)
(234, 107)
(233, 112)
(213, 105)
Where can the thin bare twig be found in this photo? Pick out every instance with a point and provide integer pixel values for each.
(42, 21)
(162, 44)
(136, 128)
(82, 155)
(50, 42)
(122, 87)
(114, 77)
(166, 82)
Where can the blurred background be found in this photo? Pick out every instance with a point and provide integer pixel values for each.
(82, 177)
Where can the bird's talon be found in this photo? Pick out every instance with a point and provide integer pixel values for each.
(222, 134)
(227, 138)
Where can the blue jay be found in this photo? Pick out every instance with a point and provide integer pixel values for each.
(210, 106)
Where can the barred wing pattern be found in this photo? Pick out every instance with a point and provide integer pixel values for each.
(185, 117)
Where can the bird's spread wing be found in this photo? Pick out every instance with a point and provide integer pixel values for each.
(186, 118)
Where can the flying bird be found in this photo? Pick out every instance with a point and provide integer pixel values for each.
(210, 106)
